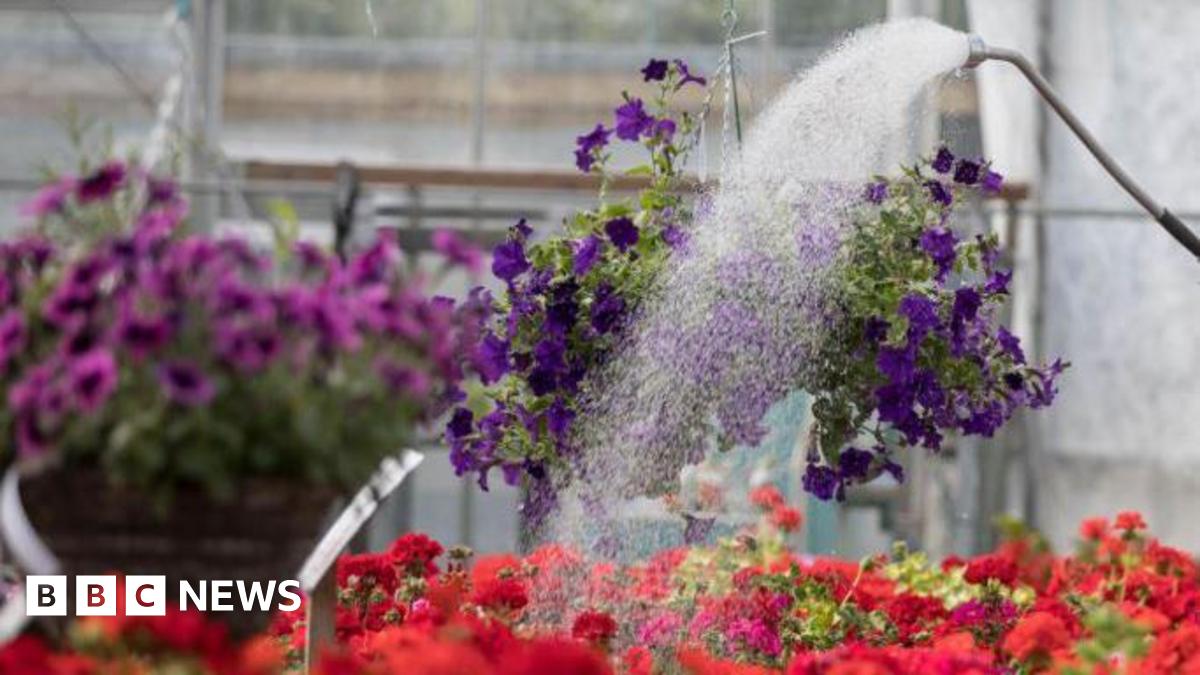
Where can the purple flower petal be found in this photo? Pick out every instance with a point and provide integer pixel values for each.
(185, 384)
(943, 161)
(509, 261)
(632, 121)
(622, 232)
(100, 184)
(655, 70)
(587, 252)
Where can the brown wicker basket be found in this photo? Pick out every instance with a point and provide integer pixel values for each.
(94, 527)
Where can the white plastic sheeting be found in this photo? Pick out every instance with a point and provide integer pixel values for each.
(1118, 297)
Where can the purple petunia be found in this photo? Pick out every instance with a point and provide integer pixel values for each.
(997, 284)
(992, 181)
(966, 305)
(921, 313)
(939, 192)
(655, 70)
(50, 199)
(160, 190)
(548, 353)
(312, 258)
(491, 358)
(93, 377)
(559, 418)
(664, 130)
(854, 464)
(967, 172)
(632, 121)
(877, 192)
(896, 363)
(250, 349)
(101, 183)
(562, 307)
(607, 309)
(622, 232)
(542, 381)
(185, 384)
(508, 260)
(142, 335)
(686, 76)
(943, 161)
(928, 390)
(822, 482)
(457, 250)
(586, 252)
(334, 326)
(587, 144)
(1010, 344)
(12, 335)
(939, 244)
(674, 236)
(894, 403)
(403, 379)
(875, 330)
(461, 423)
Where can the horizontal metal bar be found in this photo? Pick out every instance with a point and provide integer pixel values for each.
(482, 213)
(507, 179)
(89, 6)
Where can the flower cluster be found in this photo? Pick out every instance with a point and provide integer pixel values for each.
(168, 357)
(918, 351)
(568, 298)
(1123, 603)
(912, 350)
(769, 500)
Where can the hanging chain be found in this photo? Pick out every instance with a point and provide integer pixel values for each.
(725, 75)
(733, 116)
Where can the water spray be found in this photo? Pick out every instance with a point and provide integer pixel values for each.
(980, 52)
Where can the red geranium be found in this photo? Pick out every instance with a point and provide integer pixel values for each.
(787, 518)
(1130, 521)
(501, 594)
(637, 661)
(984, 568)
(913, 613)
(1036, 637)
(1174, 652)
(766, 497)
(555, 657)
(413, 554)
(595, 627)
(364, 571)
(1093, 529)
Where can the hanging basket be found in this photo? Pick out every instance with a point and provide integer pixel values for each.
(94, 527)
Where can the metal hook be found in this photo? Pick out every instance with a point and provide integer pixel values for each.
(729, 19)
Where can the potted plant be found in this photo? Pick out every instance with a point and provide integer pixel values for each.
(185, 404)
(905, 343)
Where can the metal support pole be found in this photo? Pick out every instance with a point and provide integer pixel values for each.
(205, 103)
(768, 65)
(479, 97)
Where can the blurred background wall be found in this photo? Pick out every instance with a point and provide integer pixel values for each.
(1119, 298)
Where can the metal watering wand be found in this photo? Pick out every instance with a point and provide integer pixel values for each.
(980, 52)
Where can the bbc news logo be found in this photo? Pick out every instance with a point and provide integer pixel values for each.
(146, 595)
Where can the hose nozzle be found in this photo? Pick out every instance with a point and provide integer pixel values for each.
(979, 51)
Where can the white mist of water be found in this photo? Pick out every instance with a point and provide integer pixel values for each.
(733, 325)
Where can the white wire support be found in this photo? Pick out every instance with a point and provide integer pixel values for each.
(166, 110)
(164, 134)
